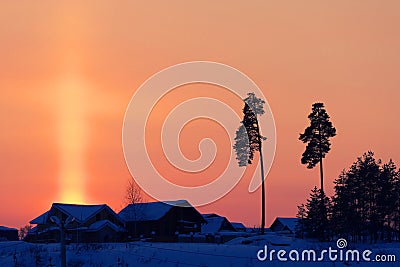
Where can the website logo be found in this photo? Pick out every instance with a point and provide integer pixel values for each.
(148, 156)
(330, 254)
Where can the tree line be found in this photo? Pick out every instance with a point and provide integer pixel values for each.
(364, 208)
(366, 204)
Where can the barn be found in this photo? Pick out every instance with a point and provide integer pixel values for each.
(162, 221)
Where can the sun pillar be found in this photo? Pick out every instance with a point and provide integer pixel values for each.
(72, 139)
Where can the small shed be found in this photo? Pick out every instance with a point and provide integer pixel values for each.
(215, 224)
(239, 226)
(281, 224)
(8, 234)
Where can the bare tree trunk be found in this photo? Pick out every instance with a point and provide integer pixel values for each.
(321, 172)
(262, 193)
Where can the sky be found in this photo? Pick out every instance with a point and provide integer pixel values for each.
(68, 70)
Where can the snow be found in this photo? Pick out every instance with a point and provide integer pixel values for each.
(237, 252)
(4, 228)
(181, 203)
(209, 215)
(100, 224)
(81, 213)
(238, 226)
(270, 238)
(41, 219)
(47, 229)
(289, 222)
(213, 225)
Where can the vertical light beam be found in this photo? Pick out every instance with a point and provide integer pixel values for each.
(72, 139)
(72, 104)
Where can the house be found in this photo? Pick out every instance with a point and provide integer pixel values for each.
(215, 224)
(284, 225)
(239, 226)
(218, 229)
(8, 234)
(82, 223)
(161, 220)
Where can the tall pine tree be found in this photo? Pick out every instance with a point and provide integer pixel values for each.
(317, 136)
(246, 146)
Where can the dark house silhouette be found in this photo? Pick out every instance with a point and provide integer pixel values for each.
(162, 221)
(88, 223)
(215, 224)
(284, 225)
(8, 234)
(239, 226)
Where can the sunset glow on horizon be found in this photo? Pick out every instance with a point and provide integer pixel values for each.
(69, 69)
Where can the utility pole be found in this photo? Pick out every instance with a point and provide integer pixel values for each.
(62, 226)
(63, 250)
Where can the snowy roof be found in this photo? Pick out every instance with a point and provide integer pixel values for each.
(150, 211)
(41, 219)
(290, 223)
(210, 215)
(213, 225)
(4, 228)
(81, 213)
(48, 229)
(238, 225)
(101, 224)
(216, 224)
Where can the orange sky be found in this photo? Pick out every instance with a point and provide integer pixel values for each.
(69, 68)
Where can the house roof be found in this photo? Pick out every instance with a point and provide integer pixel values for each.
(32, 230)
(216, 224)
(101, 224)
(41, 219)
(213, 225)
(238, 225)
(290, 223)
(210, 215)
(81, 213)
(150, 211)
(4, 228)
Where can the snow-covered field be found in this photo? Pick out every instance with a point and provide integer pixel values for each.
(237, 252)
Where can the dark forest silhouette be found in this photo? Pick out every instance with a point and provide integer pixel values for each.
(364, 208)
